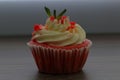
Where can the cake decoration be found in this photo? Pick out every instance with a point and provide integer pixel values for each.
(58, 30)
(60, 46)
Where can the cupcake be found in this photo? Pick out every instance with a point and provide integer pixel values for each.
(59, 46)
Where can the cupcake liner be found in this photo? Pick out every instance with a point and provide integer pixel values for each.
(56, 60)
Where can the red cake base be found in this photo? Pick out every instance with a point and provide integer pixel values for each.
(54, 59)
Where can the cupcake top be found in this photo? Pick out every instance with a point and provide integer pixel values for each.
(58, 30)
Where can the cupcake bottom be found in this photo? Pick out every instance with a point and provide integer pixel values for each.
(51, 59)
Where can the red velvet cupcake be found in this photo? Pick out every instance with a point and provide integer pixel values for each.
(60, 46)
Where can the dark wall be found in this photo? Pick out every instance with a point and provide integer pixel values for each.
(95, 16)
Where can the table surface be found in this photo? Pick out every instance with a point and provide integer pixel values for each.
(103, 63)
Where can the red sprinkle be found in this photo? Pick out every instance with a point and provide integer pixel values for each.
(52, 18)
(63, 17)
(72, 23)
(72, 26)
(62, 21)
(37, 27)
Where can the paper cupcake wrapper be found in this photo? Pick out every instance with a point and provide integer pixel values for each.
(51, 60)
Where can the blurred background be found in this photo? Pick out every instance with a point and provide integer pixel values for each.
(100, 19)
(17, 17)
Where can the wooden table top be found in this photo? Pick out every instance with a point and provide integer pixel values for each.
(103, 63)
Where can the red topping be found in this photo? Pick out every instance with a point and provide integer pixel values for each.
(63, 17)
(72, 23)
(52, 18)
(37, 27)
(72, 26)
(62, 21)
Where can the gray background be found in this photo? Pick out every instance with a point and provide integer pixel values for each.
(17, 17)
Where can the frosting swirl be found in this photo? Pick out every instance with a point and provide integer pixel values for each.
(60, 32)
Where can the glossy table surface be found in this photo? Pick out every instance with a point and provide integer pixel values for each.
(103, 63)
